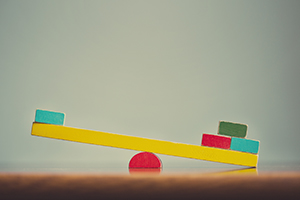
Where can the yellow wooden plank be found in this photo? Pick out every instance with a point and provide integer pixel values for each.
(144, 144)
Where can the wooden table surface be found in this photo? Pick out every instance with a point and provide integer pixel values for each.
(273, 185)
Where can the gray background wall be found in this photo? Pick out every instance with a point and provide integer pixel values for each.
(167, 70)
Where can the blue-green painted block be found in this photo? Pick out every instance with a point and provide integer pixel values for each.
(49, 117)
(245, 145)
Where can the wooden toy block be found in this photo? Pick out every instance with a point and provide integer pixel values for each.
(216, 141)
(49, 117)
(145, 160)
(245, 145)
(143, 144)
(233, 129)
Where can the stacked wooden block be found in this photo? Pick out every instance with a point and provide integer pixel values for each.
(231, 136)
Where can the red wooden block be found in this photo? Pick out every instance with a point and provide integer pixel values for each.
(145, 160)
(216, 141)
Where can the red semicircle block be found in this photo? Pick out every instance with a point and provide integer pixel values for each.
(145, 160)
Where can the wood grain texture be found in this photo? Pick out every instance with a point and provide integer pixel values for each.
(93, 186)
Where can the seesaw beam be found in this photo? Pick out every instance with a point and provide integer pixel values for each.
(144, 144)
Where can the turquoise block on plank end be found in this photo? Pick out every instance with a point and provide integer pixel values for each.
(245, 145)
(49, 117)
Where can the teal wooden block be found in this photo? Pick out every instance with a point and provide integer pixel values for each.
(233, 129)
(49, 117)
(245, 145)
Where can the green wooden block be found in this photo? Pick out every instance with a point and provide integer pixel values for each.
(233, 129)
